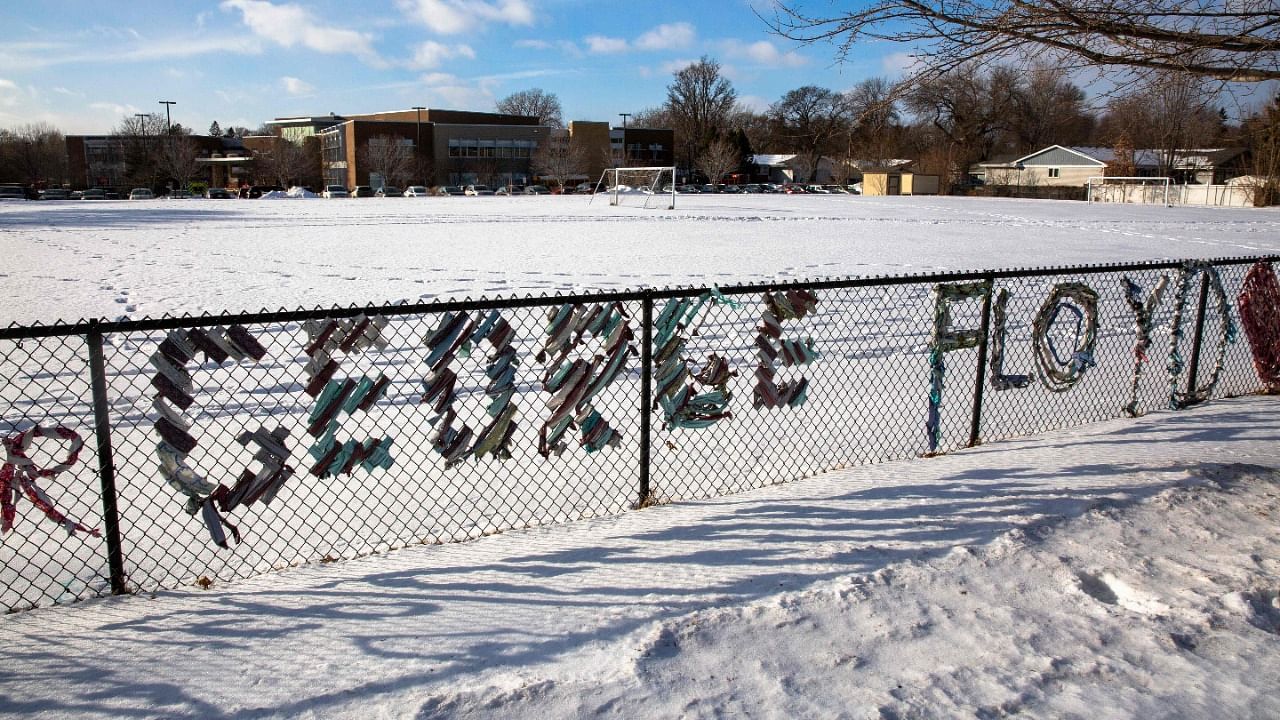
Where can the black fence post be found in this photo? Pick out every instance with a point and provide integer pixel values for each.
(106, 465)
(1197, 339)
(646, 394)
(980, 381)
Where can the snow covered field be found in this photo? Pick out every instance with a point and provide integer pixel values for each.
(664, 609)
(147, 258)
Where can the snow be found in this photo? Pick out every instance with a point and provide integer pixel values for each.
(1127, 569)
(107, 259)
(1123, 569)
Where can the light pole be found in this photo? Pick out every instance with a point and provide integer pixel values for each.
(168, 123)
(623, 158)
(417, 144)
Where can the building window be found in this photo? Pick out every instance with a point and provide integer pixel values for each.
(1054, 172)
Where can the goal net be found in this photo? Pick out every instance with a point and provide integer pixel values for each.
(1141, 190)
(639, 186)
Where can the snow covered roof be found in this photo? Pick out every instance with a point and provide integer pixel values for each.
(771, 160)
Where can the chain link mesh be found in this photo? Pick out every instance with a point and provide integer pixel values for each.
(749, 387)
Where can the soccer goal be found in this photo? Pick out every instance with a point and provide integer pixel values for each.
(626, 186)
(1142, 190)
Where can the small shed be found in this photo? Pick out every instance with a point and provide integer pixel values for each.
(896, 181)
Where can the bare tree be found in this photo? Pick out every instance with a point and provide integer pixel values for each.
(1048, 109)
(700, 102)
(33, 153)
(177, 160)
(1262, 132)
(535, 102)
(1236, 41)
(812, 119)
(874, 112)
(970, 110)
(1168, 113)
(388, 156)
(559, 158)
(288, 163)
(659, 117)
(719, 159)
(140, 138)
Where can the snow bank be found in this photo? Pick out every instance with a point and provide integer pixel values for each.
(1128, 569)
(1166, 609)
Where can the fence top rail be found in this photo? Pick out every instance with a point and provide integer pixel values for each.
(172, 322)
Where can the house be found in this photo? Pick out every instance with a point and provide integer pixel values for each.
(1062, 166)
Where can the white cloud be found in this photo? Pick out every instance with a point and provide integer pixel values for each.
(534, 44)
(431, 54)
(754, 103)
(761, 52)
(295, 86)
(9, 93)
(450, 17)
(436, 79)
(602, 45)
(675, 66)
(899, 63)
(671, 36)
(292, 25)
(115, 109)
(446, 90)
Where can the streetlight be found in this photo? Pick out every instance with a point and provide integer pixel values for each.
(417, 145)
(624, 135)
(168, 124)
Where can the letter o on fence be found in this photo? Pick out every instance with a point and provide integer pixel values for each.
(1059, 374)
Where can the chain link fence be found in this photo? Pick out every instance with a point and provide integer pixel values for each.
(199, 450)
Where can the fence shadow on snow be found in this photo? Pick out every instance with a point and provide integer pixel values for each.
(196, 450)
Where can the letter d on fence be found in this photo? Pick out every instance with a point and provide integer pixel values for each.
(945, 339)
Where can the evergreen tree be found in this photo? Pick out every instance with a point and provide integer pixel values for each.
(215, 130)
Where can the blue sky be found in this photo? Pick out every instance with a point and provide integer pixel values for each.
(84, 66)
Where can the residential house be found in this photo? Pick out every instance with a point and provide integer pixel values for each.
(1062, 166)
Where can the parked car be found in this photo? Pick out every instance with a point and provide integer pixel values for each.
(816, 190)
(94, 194)
(732, 189)
(257, 191)
(55, 194)
(12, 192)
(450, 190)
(335, 191)
(217, 193)
(587, 188)
(417, 191)
(753, 188)
(477, 190)
(793, 190)
(362, 191)
(389, 191)
(179, 195)
(141, 194)
(509, 190)
(537, 190)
